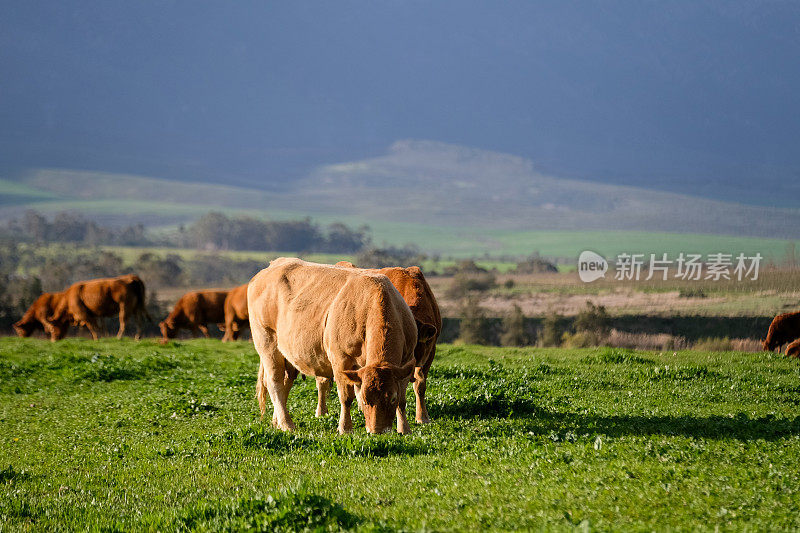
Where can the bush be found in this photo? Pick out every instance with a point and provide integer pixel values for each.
(535, 265)
(465, 284)
(714, 344)
(692, 292)
(552, 330)
(593, 319)
(474, 326)
(466, 266)
(580, 339)
(514, 331)
(389, 257)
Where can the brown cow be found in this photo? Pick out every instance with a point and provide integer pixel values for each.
(37, 317)
(236, 316)
(414, 289)
(194, 311)
(86, 301)
(784, 329)
(326, 321)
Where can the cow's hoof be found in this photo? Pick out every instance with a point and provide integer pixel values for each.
(285, 426)
(345, 431)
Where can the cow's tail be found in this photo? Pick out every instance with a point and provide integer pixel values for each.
(261, 390)
(141, 302)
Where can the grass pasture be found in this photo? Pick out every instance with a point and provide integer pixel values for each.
(124, 435)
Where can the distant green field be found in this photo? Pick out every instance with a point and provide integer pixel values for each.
(164, 211)
(124, 435)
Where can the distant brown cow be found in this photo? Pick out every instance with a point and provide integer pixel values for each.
(87, 301)
(236, 316)
(194, 311)
(784, 329)
(412, 286)
(37, 318)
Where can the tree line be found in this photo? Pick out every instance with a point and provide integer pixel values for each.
(212, 231)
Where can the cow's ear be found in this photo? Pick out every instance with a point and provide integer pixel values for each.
(345, 264)
(352, 377)
(403, 372)
(425, 332)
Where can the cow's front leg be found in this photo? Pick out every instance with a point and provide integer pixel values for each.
(323, 389)
(346, 396)
(420, 384)
(203, 329)
(402, 421)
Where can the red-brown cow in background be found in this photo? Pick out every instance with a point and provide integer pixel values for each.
(236, 316)
(194, 311)
(87, 301)
(784, 329)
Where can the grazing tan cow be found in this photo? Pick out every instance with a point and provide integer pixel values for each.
(784, 329)
(194, 311)
(325, 321)
(412, 286)
(236, 317)
(86, 301)
(38, 317)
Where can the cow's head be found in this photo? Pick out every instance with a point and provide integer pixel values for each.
(378, 387)
(769, 344)
(168, 331)
(25, 328)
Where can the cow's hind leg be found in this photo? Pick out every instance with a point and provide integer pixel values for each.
(273, 378)
(122, 321)
(323, 389)
(420, 385)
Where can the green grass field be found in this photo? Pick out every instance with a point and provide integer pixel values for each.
(123, 435)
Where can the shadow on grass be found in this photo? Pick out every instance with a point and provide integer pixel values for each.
(740, 427)
(268, 439)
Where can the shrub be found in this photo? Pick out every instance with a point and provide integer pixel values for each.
(714, 344)
(692, 292)
(388, 257)
(464, 284)
(593, 319)
(580, 339)
(535, 265)
(474, 326)
(514, 331)
(552, 329)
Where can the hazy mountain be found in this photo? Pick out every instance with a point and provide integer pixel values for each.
(435, 186)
